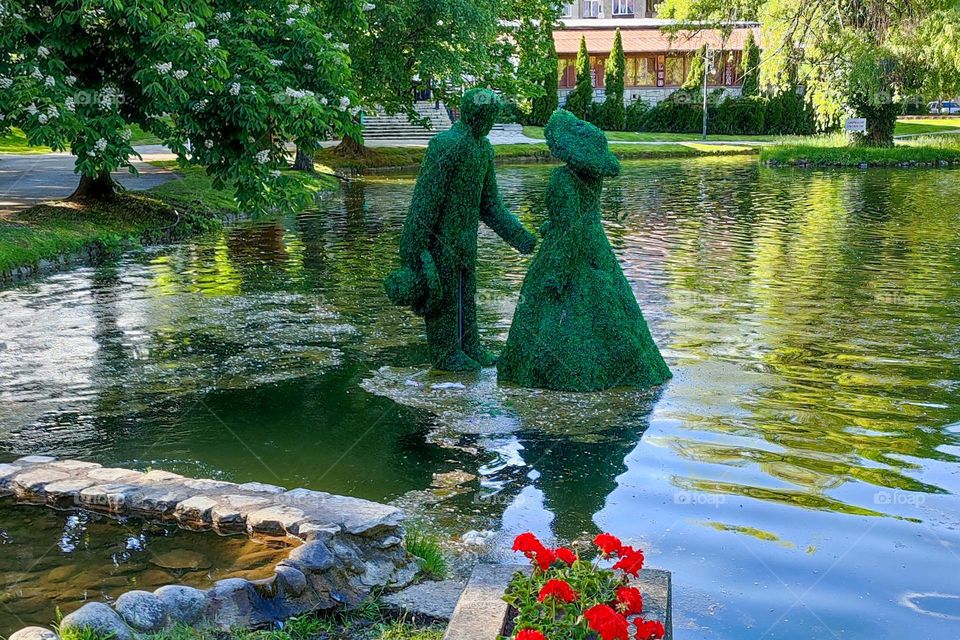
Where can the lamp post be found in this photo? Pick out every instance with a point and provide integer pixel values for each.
(707, 63)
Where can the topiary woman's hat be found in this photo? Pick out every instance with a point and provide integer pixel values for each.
(580, 144)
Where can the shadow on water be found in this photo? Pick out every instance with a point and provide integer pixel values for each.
(798, 474)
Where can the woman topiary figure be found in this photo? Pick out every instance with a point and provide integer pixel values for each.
(456, 189)
(578, 326)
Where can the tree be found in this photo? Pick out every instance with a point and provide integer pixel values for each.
(750, 67)
(219, 82)
(579, 101)
(544, 106)
(614, 113)
(694, 80)
(852, 57)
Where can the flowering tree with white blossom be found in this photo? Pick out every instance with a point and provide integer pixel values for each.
(223, 84)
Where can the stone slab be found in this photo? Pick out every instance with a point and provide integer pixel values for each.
(481, 613)
(430, 601)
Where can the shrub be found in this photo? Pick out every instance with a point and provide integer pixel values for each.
(635, 113)
(544, 106)
(614, 116)
(579, 101)
(569, 598)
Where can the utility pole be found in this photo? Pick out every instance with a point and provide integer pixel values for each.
(706, 70)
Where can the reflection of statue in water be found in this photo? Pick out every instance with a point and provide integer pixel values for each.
(578, 326)
(456, 189)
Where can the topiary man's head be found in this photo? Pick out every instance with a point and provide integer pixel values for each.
(479, 110)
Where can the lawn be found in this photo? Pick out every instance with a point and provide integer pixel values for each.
(831, 151)
(176, 209)
(932, 126)
(410, 157)
(15, 141)
(645, 136)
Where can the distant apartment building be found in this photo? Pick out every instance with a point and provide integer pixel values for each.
(657, 61)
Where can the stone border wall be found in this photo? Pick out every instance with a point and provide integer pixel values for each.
(350, 545)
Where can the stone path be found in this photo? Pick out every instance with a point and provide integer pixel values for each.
(351, 546)
(26, 180)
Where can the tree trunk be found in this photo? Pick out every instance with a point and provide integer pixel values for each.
(881, 123)
(351, 148)
(303, 161)
(99, 187)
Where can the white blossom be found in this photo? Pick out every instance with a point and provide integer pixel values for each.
(367, 6)
(223, 16)
(263, 157)
(53, 112)
(49, 81)
(235, 89)
(323, 100)
(294, 93)
(36, 73)
(42, 119)
(163, 67)
(291, 21)
(275, 173)
(292, 7)
(213, 43)
(180, 74)
(5, 82)
(308, 67)
(328, 36)
(208, 143)
(344, 103)
(100, 145)
(190, 26)
(43, 52)
(32, 109)
(71, 80)
(342, 46)
(126, 134)
(70, 104)
(276, 63)
(304, 10)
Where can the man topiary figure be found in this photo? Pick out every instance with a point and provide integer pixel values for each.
(455, 190)
(578, 326)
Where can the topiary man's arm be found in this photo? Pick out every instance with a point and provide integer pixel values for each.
(495, 215)
(428, 197)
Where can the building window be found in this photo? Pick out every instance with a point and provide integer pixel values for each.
(567, 73)
(591, 9)
(623, 7)
(567, 10)
(641, 72)
(676, 73)
(652, 8)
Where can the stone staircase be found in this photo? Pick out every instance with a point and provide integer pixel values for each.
(380, 126)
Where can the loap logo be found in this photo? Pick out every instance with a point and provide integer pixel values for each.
(899, 498)
(699, 499)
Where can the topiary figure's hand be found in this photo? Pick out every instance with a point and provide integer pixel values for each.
(417, 287)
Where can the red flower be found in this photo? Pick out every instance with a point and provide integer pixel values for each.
(565, 554)
(530, 634)
(544, 558)
(557, 589)
(609, 624)
(527, 543)
(608, 543)
(631, 561)
(629, 600)
(649, 629)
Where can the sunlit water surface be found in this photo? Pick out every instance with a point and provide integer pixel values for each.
(797, 475)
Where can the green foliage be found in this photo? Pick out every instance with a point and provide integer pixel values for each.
(217, 81)
(784, 114)
(634, 116)
(578, 326)
(427, 548)
(579, 101)
(694, 82)
(750, 67)
(456, 189)
(833, 152)
(614, 113)
(545, 105)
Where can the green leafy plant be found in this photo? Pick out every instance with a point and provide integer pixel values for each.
(579, 101)
(427, 548)
(567, 597)
(614, 114)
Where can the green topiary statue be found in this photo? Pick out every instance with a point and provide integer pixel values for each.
(455, 190)
(578, 326)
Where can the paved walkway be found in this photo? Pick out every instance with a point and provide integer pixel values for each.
(26, 180)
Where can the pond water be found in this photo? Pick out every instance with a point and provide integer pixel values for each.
(797, 475)
(52, 559)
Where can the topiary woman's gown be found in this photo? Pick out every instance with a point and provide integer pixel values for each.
(578, 326)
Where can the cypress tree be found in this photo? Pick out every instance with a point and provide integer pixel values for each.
(750, 67)
(545, 105)
(580, 100)
(694, 81)
(614, 114)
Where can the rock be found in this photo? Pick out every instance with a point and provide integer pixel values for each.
(28, 460)
(434, 601)
(156, 502)
(143, 611)
(477, 538)
(230, 514)
(185, 605)
(292, 581)
(480, 611)
(354, 515)
(114, 476)
(107, 497)
(181, 560)
(259, 487)
(98, 618)
(34, 633)
(31, 484)
(196, 512)
(161, 477)
(309, 531)
(276, 520)
(71, 466)
(234, 603)
(7, 472)
(66, 493)
(310, 557)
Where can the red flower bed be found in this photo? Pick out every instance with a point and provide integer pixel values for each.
(568, 598)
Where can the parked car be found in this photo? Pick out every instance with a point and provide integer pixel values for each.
(944, 108)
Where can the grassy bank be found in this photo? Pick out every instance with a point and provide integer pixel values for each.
(832, 151)
(926, 127)
(648, 136)
(174, 210)
(408, 157)
(14, 141)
